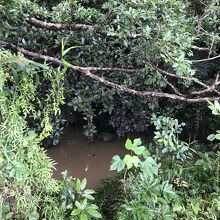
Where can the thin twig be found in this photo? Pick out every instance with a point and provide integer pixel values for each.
(172, 86)
(205, 60)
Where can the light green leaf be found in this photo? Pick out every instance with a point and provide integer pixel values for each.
(75, 212)
(137, 142)
(211, 137)
(84, 204)
(78, 205)
(128, 144)
(135, 160)
(128, 161)
(78, 185)
(217, 136)
(88, 196)
(117, 164)
(217, 105)
(94, 213)
(139, 150)
(83, 184)
(150, 167)
(83, 216)
(89, 191)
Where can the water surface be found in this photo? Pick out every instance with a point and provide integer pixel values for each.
(82, 159)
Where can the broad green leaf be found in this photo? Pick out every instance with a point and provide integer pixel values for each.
(89, 191)
(150, 167)
(139, 150)
(211, 137)
(78, 185)
(83, 184)
(217, 136)
(94, 213)
(92, 206)
(128, 144)
(78, 205)
(88, 196)
(137, 142)
(84, 204)
(128, 161)
(117, 164)
(75, 212)
(83, 216)
(131, 161)
(217, 105)
(214, 109)
(135, 160)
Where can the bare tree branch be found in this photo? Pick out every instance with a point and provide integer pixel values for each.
(59, 26)
(210, 88)
(87, 72)
(205, 60)
(172, 86)
(201, 48)
(193, 79)
(59, 62)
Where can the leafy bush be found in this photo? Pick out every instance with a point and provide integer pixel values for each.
(170, 180)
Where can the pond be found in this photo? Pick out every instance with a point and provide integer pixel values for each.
(82, 159)
(91, 160)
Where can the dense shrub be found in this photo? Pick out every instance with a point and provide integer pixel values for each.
(170, 180)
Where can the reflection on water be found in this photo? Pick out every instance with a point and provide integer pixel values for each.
(82, 159)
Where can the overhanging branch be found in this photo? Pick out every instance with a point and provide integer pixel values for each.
(87, 71)
(83, 27)
(58, 26)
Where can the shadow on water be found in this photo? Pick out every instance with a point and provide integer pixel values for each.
(82, 159)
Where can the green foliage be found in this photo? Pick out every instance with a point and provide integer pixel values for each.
(77, 200)
(25, 169)
(147, 195)
(215, 107)
(165, 32)
(27, 189)
(171, 180)
(167, 182)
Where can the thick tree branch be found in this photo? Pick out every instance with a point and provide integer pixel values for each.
(58, 26)
(59, 62)
(87, 71)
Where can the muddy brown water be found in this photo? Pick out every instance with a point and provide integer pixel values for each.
(82, 159)
(91, 160)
